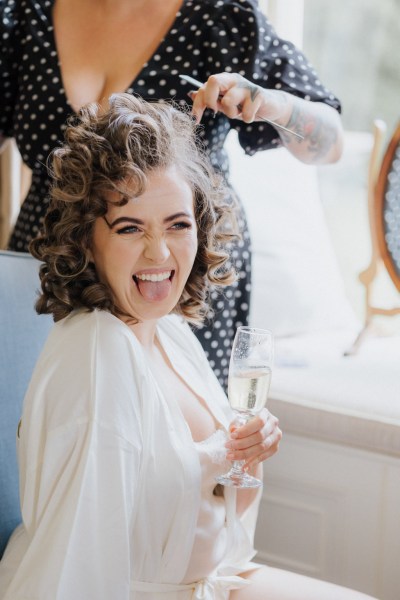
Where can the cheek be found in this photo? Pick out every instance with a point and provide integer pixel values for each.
(192, 251)
(105, 263)
(185, 248)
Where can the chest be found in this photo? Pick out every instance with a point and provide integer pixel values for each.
(176, 390)
(102, 53)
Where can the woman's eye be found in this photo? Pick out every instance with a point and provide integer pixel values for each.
(181, 225)
(128, 229)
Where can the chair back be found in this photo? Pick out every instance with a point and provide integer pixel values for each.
(387, 208)
(384, 221)
(22, 335)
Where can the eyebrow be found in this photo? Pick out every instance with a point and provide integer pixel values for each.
(177, 215)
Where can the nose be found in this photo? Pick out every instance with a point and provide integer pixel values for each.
(156, 249)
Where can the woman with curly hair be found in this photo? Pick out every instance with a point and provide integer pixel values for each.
(124, 424)
(59, 55)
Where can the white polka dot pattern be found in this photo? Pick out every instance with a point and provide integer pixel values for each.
(208, 36)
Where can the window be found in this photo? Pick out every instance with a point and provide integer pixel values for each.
(355, 45)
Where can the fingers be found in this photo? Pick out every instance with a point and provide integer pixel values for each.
(269, 447)
(254, 425)
(229, 93)
(255, 441)
(243, 99)
(206, 97)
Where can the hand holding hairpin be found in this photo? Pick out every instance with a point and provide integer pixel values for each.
(198, 84)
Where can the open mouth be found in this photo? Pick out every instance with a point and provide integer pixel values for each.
(154, 286)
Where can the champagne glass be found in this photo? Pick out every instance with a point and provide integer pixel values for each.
(248, 386)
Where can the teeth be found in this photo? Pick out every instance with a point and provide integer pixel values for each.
(154, 276)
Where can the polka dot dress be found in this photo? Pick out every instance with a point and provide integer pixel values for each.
(208, 36)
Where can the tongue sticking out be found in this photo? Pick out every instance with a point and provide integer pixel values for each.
(154, 290)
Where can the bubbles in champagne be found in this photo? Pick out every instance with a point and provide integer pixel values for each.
(248, 390)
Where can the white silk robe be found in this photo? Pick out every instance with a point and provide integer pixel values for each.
(109, 474)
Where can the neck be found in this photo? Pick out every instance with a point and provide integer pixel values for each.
(145, 332)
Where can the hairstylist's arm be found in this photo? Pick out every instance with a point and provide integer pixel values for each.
(319, 124)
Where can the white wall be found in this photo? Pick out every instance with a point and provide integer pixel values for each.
(287, 17)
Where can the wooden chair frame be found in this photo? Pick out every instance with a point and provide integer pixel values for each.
(382, 184)
(379, 170)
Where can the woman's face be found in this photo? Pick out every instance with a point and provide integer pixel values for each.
(145, 250)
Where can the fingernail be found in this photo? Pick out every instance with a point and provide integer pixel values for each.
(230, 455)
(234, 435)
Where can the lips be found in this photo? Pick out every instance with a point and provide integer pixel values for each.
(154, 286)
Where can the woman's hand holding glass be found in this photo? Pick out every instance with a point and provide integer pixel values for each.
(255, 441)
(248, 386)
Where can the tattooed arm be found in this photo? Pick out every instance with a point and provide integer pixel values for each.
(318, 124)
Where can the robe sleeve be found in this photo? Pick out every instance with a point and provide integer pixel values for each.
(243, 41)
(81, 463)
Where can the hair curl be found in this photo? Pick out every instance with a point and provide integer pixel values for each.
(102, 151)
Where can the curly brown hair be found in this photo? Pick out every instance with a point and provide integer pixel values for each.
(102, 151)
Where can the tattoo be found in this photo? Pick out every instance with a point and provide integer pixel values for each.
(319, 136)
(253, 89)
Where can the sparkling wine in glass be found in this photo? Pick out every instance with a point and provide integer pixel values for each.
(248, 386)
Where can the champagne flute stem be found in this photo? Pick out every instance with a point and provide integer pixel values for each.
(237, 467)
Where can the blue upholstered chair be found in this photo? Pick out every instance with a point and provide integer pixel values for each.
(22, 335)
